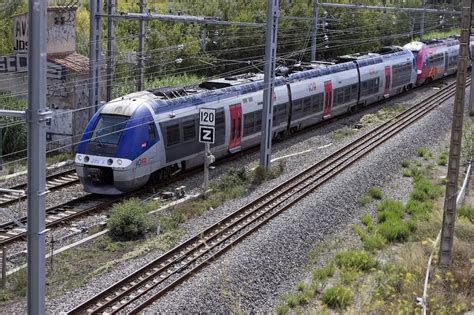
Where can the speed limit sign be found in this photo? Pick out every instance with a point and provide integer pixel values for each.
(207, 117)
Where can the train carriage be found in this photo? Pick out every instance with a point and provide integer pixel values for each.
(153, 134)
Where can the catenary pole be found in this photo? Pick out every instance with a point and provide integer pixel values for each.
(471, 89)
(110, 48)
(449, 215)
(314, 30)
(95, 51)
(35, 116)
(422, 21)
(141, 49)
(268, 83)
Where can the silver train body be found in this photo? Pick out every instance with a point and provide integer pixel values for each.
(154, 134)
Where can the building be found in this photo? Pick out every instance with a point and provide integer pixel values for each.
(67, 76)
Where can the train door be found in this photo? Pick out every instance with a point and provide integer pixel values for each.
(235, 127)
(328, 98)
(387, 81)
(446, 62)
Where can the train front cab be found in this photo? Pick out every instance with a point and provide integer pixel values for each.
(117, 151)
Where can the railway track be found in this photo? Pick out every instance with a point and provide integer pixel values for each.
(141, 288)
(53, 182)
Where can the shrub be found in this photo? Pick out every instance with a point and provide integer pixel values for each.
(427, 186)
(390, 208)
(129, 219)
(337, 296)
(260, 175)
(373, 242)
(356, 259)
(467, 212)
(394, 230)
(365, 199)
(322, 274)
(405, 163)
(171, 223)
(282, 309)
(418, 208)
(233, 177)
(366, 220)
(443, 159)
(422, 152)
(406, 173)
(375, 193)
(348, 276)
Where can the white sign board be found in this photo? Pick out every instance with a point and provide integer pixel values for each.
(207, 134)
(207, 117)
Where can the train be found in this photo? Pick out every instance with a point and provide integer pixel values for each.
(153, 134)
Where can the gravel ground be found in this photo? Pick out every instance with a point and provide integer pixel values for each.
(271, 261)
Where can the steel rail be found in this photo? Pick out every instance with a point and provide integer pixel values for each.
(53, 182)
(214, 235)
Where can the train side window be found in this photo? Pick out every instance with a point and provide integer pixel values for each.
(249, 124)
(317, 101)
(189, 130)
(172, 135)
(151, 131)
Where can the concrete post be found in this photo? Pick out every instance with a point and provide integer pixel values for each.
(314, 30)
(141, 50)
(95, 59)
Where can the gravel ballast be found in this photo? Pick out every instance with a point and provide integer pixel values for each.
(253, 275)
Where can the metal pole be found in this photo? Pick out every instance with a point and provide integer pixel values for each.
(422, 22)
(471, 89)
(35, 116)
(110, 48)
(204, 38)
(95, 51)
(314, 30)
(141, 49)
(4, 267)
(268, 83)
(449, 215)
(207, 152)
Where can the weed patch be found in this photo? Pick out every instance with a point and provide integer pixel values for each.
(365, 199)
(375, 193)
(337, 297)
(358, 260)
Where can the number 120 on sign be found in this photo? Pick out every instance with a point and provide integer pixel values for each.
(207, 117)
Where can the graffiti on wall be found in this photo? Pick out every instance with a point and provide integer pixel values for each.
(19, 63)
(20, 39)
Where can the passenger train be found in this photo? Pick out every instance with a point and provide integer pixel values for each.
(153, 134)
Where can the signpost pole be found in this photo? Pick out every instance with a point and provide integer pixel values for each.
(207, 152)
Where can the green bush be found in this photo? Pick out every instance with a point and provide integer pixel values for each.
(467, 212)
(129, 219)
(322, 274)
(337, 297)
(282, 309)
(372, 242)
(171, 223)
(394, 230)
(365, 199)
(389, 208)
(356, 260)
(427, 187)
(419, 209)
(406, 173)
(443, 159)
(375, 193)
(422, 152)
(233, 177)
(348, 276)
(366, 220)
(405, 163)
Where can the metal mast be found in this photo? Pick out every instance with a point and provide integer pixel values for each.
(141, 49)
(314, 30)
(35, 116)
(449, 215)
(95, 51)
(110, 47)
(268, 83)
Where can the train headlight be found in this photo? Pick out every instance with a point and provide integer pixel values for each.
(110, 162)
(119, 162)
(86, 159)
(79, 157)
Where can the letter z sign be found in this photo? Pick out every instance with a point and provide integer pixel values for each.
(206, 134)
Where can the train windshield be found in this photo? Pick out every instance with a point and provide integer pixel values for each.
(109, 128)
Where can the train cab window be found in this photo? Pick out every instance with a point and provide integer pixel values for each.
(172, 135)
(151, 131)
(109, 128)
(189, 130)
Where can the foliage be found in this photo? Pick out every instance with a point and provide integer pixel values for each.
(467, 212)
(375, 193)
(423, 152)
(260, 175)
(168, 224)
(343, 133)
(405, 163)
(358, 260)
(130, 219)
(443, 159)
(365, 199)
(14, 136)
(337, 297)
